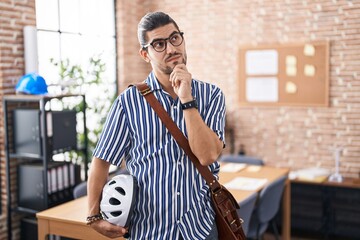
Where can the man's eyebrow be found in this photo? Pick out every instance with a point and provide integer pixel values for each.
(156, 39)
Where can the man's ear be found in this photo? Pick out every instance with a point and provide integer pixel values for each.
(144, 54)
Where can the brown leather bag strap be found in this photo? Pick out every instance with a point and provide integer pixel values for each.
(145, 90)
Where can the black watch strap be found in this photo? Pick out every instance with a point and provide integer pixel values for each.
(191, 104)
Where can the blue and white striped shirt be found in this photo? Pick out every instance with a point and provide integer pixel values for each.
(173, 197)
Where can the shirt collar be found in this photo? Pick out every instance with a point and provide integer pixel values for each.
(153, 82)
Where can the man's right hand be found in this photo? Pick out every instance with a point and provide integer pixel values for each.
(108, 229)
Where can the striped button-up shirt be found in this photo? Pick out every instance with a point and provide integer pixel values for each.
(173, 197)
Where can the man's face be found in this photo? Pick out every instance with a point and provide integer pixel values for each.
(166, 60)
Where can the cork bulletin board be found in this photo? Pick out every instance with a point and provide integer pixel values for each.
(284, 75)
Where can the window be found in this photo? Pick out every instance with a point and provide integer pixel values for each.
(75, 31)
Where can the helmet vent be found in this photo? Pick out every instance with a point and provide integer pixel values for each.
(114, 201)
(116, 213)
(112, 182)
(120, 190)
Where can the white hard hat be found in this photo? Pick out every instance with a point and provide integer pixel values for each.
(118, 199)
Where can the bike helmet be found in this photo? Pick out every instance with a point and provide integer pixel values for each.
(118, 199)
(31, 83)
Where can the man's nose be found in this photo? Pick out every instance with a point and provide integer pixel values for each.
(169, 47)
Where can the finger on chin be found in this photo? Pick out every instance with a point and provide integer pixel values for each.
(180, 66)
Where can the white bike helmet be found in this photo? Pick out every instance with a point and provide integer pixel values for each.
(118, 199)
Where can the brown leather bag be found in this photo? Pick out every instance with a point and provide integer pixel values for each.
(228, 222)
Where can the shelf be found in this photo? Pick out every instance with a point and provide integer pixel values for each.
(36, 156)
(36, 129)
(36, 98)
(25, 155)
(25, 210)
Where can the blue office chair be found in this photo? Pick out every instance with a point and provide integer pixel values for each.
(246, 209)
(241, 159)
(80, 190)
(266, 209)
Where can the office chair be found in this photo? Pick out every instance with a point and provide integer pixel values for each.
(246, 209)
(266, 209)
(241, 159)
(80, 190)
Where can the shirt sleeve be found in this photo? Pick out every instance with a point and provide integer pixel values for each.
(215, 113)
(114, 141)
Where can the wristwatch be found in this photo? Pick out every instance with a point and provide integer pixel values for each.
(188, 105)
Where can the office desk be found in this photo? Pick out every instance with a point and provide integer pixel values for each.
(68, 219)
(271, 174)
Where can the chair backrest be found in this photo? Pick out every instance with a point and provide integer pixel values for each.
(269, 200)
(241, 159)
(80, 190)
(246, 209)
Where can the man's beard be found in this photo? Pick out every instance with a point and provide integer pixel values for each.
(168, 70)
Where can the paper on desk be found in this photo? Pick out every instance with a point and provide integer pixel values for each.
(245, 183)
(311, 174)
(233, 167)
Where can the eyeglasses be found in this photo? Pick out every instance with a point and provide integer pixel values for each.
(160, 45)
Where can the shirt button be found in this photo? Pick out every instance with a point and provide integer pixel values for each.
(178, 193)
(179, 163)
(175, 107)
(178, 221)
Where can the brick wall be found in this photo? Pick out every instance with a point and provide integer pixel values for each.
(14, 16)
(297, 137)
(131, 68)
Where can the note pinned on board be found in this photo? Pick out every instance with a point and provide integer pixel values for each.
(309, 50)
(261, 62)
(291, 87)
(309, 70)
(245, 183)
(290, 60)
(262, 89)
(291, 71)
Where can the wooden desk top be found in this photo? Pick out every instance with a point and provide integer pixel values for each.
(270, 173)
(67, 220)
(72, 211)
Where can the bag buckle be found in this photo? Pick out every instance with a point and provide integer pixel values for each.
(236, 225)
(146, 91)
(216, 190)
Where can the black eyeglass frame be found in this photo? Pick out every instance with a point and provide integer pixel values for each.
(166, 40)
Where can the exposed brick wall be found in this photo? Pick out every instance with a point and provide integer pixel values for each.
(131, 68)
(14, 16)
(283, 136)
